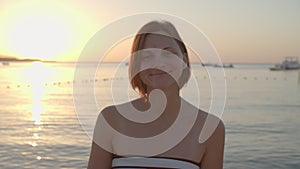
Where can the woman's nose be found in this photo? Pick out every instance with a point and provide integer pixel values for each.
(159, 64)
(158, 61)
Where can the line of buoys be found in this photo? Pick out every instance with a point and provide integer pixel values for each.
(107, 79)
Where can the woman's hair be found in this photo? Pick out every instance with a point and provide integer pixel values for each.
(163, 28)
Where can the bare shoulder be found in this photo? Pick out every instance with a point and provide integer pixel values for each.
(219, 133)
(111, 113)
(210, 127)
(108, 111)
(221, 126)
(213, 131)
(212, 137)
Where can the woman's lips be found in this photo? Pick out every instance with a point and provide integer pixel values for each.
(158, 73)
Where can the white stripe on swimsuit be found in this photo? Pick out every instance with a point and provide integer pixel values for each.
(152, 162)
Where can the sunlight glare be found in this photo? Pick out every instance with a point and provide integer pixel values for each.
(37, 89)
(46, 30)
(40, 37)
(37, 109)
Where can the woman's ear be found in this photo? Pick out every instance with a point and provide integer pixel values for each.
(186, 71)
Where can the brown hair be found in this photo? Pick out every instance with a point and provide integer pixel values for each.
(164, 28)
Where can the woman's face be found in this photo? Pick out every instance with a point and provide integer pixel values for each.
(161, 61)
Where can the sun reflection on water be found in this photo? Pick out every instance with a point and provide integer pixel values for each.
(37, 80)
(36, 76)
(37, 110)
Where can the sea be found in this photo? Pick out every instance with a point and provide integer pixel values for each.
(43, 126)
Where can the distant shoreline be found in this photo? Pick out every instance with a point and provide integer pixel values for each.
(11, 59)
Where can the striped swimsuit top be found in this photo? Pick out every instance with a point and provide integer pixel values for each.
(152, 163)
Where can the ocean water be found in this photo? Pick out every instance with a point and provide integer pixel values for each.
(40, 126)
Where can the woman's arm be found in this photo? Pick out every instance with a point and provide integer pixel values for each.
(99, 158)
(213, 157)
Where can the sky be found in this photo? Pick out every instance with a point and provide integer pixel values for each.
(256, 31)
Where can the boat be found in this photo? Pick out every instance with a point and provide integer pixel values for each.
(206, 64)
(218, 65)
(224, 65)
(277, 67)
(290, 63)
(5, 63)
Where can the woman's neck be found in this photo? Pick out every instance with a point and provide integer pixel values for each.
(171, 95)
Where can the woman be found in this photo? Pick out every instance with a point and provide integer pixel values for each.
(158, 69)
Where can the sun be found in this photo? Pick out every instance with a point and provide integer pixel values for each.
(46, 30)
(39, 36)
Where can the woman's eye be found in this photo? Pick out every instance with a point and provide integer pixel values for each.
(171, 52)
(145, 56)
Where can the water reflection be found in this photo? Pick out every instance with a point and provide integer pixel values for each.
(36, 77)
(32, 143)
(37, 112)
(36, 80)
(37, 109)
(35, 136)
